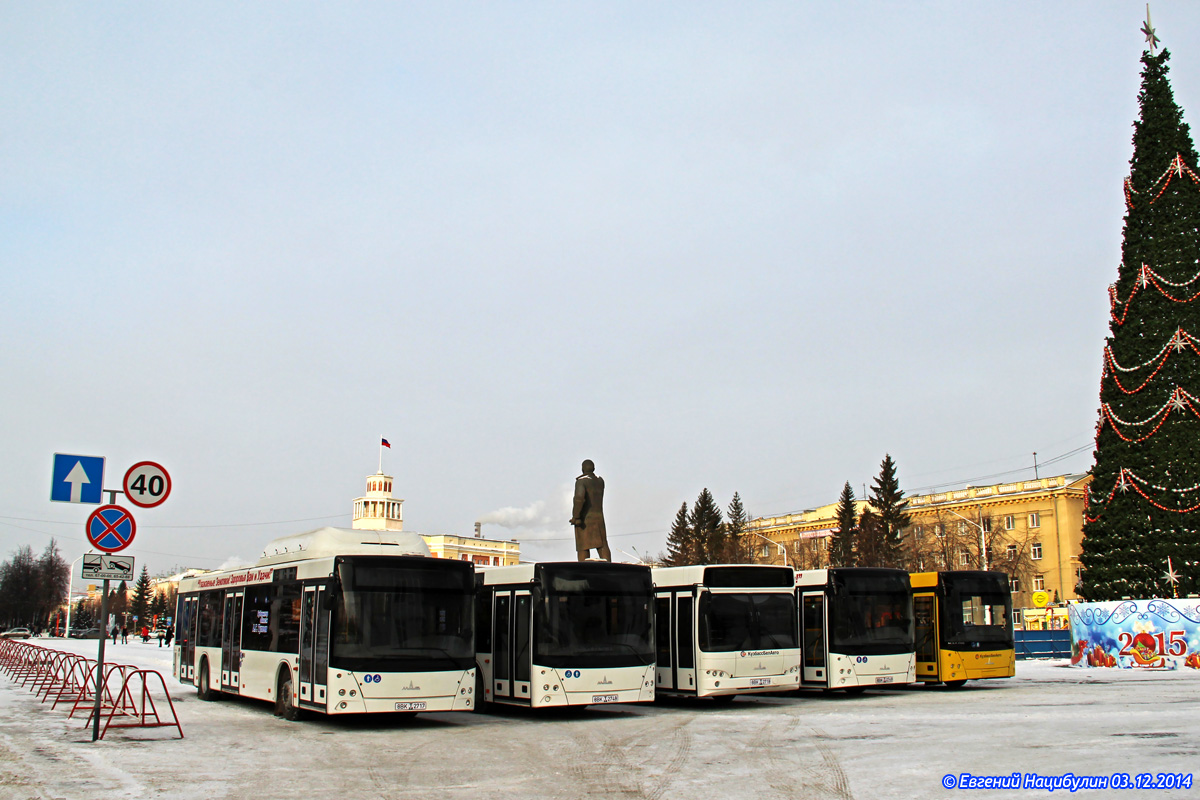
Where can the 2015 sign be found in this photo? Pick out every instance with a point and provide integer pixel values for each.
(147, 484)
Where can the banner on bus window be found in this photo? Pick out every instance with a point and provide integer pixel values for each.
(1136, 634)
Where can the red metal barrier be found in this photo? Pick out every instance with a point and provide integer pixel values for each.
(71, 678)
(144, 707)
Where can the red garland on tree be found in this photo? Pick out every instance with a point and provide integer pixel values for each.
(1144, 501)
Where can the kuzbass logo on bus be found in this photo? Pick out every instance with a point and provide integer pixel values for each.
(758, 653)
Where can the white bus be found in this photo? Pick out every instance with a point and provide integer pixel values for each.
(564, 634)
(724, 630)
(336, 621)
(856, 626)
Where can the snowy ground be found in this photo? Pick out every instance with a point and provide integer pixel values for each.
(899, 743)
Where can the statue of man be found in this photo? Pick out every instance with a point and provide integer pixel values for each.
(587, 514)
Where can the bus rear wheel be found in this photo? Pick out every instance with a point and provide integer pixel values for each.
(204, 689)
(284, 702)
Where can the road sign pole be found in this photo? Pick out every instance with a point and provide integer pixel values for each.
(100, 659)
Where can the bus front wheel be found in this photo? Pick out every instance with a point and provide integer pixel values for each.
(285, 705)
(955, 684)
(204, 689)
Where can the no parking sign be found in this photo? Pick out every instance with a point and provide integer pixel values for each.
(110, 528)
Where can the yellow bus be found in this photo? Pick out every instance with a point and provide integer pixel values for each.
(964, 626)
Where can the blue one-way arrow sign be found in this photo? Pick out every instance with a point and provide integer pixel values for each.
(77, 479)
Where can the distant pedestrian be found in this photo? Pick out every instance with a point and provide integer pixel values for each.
(124, 634)
(161, 633)
(170, 636)
(115, 631)
(145, 635)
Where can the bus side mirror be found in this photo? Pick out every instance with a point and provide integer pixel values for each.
(328, 601)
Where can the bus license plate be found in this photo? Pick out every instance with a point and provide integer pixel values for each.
(885, 679)
(417, 706)
(605, 698)
(760, 681)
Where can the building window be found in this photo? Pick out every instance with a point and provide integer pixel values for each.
(1039, 583)
(1016, 584)
(1009, 522)
(964, 558)
(1035, 519)
(938, 530)
(466, 557)
(1035, 551)
(963, 530)
(987, 524)
(919, 531)
(766, 550)
(495, 561)
(1011, 552)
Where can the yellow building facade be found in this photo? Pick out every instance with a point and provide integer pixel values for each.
(1033, 530)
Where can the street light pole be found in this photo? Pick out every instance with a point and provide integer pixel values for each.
(70, 591)
(982, 543)
(782, 549)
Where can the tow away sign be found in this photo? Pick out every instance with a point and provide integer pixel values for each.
(103, 566)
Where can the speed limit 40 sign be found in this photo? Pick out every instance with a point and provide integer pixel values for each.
(147, 484)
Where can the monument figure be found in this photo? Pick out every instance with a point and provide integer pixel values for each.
(587, 514)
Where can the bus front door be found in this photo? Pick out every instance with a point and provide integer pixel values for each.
(812, 632)
(685, 643)
(513, 660)
(664, 668)
(186, 637)
(231, 643)
(925, 613)
(314, 647)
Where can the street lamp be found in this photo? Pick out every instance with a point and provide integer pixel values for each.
(982, 543)
(782, 549)
(70, 591)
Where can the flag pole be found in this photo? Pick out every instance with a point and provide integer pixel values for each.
(381, 455)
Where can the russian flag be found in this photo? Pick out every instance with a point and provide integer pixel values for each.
(385, 443)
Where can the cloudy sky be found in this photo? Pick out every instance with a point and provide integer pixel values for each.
(745, 246)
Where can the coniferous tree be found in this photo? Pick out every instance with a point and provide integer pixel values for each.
(681, 549)
(118, 603)
(889, 504)
(870, 546)
(737, 545)
(142, 592)
(1144, 499)
(158, 606)
(708, 529)
(841, 546)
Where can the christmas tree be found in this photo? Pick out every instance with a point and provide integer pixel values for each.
(1144, 500)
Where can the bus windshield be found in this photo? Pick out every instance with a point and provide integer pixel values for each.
(977, 610)
(731, 622)
(870, 613)
(593, 618)
(402, 614)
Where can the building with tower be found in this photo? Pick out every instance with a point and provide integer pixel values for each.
(379, 510)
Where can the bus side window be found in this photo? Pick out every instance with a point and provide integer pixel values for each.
(209, 634)
(285, 633)
(256, 618)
